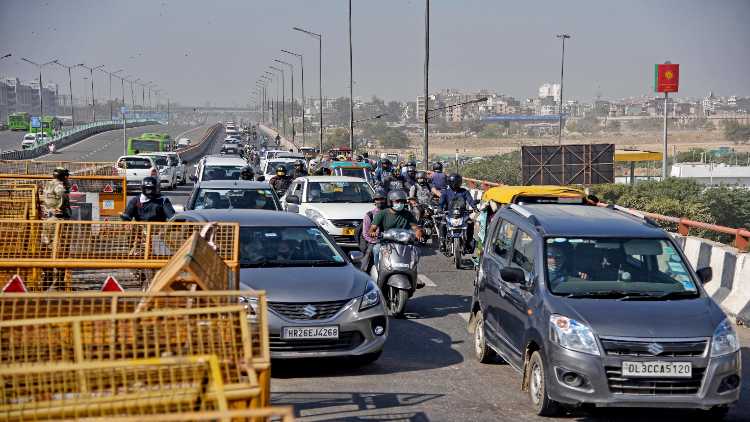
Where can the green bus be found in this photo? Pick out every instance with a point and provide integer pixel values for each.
(147, 144)
(19, 121)
(50, 125)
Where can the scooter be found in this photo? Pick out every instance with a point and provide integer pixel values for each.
(456, 226)
(396, 269)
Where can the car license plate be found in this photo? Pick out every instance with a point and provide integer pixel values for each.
(349, 231)
(657, 369)
(295, 333)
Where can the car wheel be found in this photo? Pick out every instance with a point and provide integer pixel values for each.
(483, 353)
(367, 359)
(543, 406)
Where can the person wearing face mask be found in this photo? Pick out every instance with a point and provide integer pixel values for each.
(395, 217)
(366, 241)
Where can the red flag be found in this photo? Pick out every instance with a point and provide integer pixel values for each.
(15, 285)
(111, 285)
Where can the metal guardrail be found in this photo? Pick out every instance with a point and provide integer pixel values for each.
(71, 136)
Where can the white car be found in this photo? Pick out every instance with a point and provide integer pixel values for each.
(183, 142)
(218, 167)
(337, 204)
(135, 168)
(167, 173)
(269, 170)
(271, 153)
(29, 141)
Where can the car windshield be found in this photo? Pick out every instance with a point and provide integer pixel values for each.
(258, 199)
(348, 192)
(221, 172)
(351, 172)
(617, 268)
(137, 163)
(287, 247)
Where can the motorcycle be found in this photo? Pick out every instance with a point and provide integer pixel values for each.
(456, 226)
(396, 269)
(425, 215)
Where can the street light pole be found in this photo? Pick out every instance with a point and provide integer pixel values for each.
(426, 84)
(273, 105)
(70, 87)
(302, 79)
(93, 100)
(291, 67)
(320, 77)
(563, 37)
(351, 85)
(40, 66)
(283, 98)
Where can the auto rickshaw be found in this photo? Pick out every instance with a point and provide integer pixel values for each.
(359, 169)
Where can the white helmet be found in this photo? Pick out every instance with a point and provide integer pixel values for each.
(313, 164)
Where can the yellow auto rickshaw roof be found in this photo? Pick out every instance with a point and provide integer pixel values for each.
(507, 194)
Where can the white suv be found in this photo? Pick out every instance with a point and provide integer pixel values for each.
(218, 167)
(168, 177)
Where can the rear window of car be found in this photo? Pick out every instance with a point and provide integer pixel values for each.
(221, 172)
(215, 198)
(137, 163)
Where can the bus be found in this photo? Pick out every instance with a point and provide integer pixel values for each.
(145, 143)
(50, 125)
(19, 121)
(164, 136)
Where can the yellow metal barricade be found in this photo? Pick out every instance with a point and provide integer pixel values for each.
(78, 255)
(109, 192)
(264, 414)
(221, 331)
(44, 168)
(52, 391)
(58, 304)
(19, 203)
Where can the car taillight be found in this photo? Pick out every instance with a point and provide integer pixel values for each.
(154, 173)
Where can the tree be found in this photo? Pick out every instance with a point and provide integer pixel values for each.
(393, 111)
(736, 132)
(504, 168)
(338, 137)
(394, 138)
(340, 116)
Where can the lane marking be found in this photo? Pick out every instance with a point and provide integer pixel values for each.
(426, 280)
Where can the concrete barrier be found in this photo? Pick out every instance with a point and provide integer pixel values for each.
(731, 269)
(198, 150)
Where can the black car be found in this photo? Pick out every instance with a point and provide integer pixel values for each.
(599, 306)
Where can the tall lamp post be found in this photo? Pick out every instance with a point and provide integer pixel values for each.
(274, 106)
(70, 87)
(267, 102)
(563, 37)
(93, 100)
(351, 85)
(283, 98)
(291, 67)
(40, 66)
(320, 76)
(426, 148)
(302, 80)
(111, 100)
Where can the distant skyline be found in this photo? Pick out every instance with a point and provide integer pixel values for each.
(213, 52)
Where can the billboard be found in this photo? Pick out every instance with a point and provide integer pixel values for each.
(666, 77)
(588, 164)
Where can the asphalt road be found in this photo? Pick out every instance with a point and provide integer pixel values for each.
(108, 146)
(10, 140)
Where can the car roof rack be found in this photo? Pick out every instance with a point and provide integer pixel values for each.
(525, 213)
(633, 212)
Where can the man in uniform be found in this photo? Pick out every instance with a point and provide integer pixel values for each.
(280, 183)
(56, 195)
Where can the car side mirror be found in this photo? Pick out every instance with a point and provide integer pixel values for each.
(356, 256)
(292, 199)
(193, 178)
(705, 274)
(513, 275)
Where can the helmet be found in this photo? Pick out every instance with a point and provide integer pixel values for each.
(280, 171)
(150, 187)
(411, 163)
(60, 173)
(396, 195)
(455, 180)
(437, 166)
(379, 194)
(411, 171)
(313, 164)
(299, 164)
(421, 177)
(247, 173)
(385, 164)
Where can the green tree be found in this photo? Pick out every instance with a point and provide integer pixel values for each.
(736, 132)
(393, 111)
(336, 138)
(504, 168)
(394, 138)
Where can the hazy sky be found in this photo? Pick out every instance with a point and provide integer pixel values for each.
(200, 50)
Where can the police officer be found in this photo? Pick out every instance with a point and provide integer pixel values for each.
(299, 169)
(280, 183)
(150, 205)
(56, 195)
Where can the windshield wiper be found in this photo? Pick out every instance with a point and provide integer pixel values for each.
(608, 294)
(678, 294)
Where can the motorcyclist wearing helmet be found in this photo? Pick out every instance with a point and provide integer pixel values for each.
(299, 169)
(394, 217)
(410, 176)
(281, 181)
(150, 205)
(384, 169)
(56, 195)
(421, 191)
(247, 173)
(367, 242)
(438, 179)
(454, 196)
(312, 166)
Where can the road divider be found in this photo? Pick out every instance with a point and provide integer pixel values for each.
(197, 150)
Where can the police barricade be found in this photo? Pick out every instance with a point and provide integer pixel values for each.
(44, 168)
(81, 255)
(221, 331)
(15, 306)
(106, 194)
(129, 387)
(19, 202)
(265, 414)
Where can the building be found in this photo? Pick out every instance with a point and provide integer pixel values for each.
(550, 90)
(709, 104)
(713, 174)
(16, 96)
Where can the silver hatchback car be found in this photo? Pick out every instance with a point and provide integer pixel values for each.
(320, 303)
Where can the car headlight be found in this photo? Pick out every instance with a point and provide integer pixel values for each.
(316, 217)
(371, 296)
(573, 335)
(724, 340)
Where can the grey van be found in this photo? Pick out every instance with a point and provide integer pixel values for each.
(599, 306)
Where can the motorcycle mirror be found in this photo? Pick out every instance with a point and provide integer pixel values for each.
(356, 256)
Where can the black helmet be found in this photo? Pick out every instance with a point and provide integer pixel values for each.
(247, 173)
(396, 195)
(280, 171)
(299, 164)
(455, 181)
(421, 177)
(411, 171)
(386, 163)
(411, 163)
(60, 173)
(437, 166)
(379, 194)
(150, 187)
